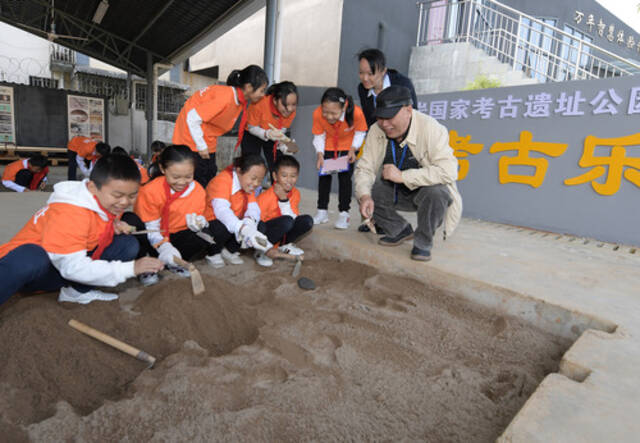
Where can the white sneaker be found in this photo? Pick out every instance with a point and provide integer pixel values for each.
(72, 295)
(343, 220)
(215, 261)
(321, 217)
(148, 278)
(291, 249)
(231, 257)
(262, 259)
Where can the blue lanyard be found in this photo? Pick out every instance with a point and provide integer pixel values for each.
(398, 165)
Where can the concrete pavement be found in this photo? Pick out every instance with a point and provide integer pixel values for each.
(580, 288)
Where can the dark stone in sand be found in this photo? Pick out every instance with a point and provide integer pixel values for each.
(306, 283)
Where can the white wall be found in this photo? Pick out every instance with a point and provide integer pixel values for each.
(22, 54)
(311, 31)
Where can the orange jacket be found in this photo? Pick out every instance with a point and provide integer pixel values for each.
(12, 169)
(83, 146)
(207, 114)
(221, 186)
(268, 202)
(344, 132)
(264, 113)
(144, 175)
(151, 200)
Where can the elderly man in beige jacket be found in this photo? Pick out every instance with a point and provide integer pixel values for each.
(419, 173)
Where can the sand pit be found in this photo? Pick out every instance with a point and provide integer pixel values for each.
(365, 356)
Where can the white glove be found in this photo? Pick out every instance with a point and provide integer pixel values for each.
(275, 134)
(166, 253)
(249, 237)
(283, 148)
(196, 222)
(258, 241)
(246, 228)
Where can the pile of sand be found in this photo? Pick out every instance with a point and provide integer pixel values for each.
(364, 356)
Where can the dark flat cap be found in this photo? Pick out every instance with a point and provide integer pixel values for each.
(391, 99)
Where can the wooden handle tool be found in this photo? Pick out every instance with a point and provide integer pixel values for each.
(197, 285)
(113, 342)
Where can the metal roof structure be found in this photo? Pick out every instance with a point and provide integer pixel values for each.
(129, 34)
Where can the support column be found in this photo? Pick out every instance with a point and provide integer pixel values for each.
(149, 102)
(271, 17)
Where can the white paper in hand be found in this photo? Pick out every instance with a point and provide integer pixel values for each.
(333, 165)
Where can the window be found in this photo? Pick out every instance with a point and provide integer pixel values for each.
(568, 54)
(535, 47)
(43, 82)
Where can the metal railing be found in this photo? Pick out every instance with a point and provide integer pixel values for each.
(526, 43)
(61, 55)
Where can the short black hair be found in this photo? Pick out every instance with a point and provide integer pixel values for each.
(102, 148)
(280, 91)
(286, 160)
(246, 162)
(114, 167)
(38, 160)
(157, 146)
(119, 150)
(375, 58)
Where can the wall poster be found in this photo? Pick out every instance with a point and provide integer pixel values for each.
(86, 117)
(7, 115)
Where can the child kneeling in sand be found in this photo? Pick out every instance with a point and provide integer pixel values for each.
(234, 214)
(279, 208)
(171, 208)
(75, 241)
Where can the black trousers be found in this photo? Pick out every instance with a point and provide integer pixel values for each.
(255, 145)
(191, 246)
(206, 169)
(73, 166)
(344, 186)
(24, 177)
(430, 202)
(226, 239)
(286, 229)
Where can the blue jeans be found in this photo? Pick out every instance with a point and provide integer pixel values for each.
(28, 269)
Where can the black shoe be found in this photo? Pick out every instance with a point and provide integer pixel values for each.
(405, 234)
(420, 254)
(364, 228)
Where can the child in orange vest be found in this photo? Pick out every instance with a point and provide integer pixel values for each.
(339, 128)
(156, 149)
(82, 154)
(277, 109)
(171, 207)
(279, 208)
(26, 174)
(77, 241)
(213, 111)
(233, 213)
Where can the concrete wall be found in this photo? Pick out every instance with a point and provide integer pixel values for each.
(22, 54)
(592, 195)
(120, 131)
(452, 66)
(361, 21)
(310, 43)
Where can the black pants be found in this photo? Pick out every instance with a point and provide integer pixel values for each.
(191, 246)
(73, 166)
(24, 177)
(286, 229)
(206, 169)
(431, 203)
(344, 186)
(254, 145)
(226, 239)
